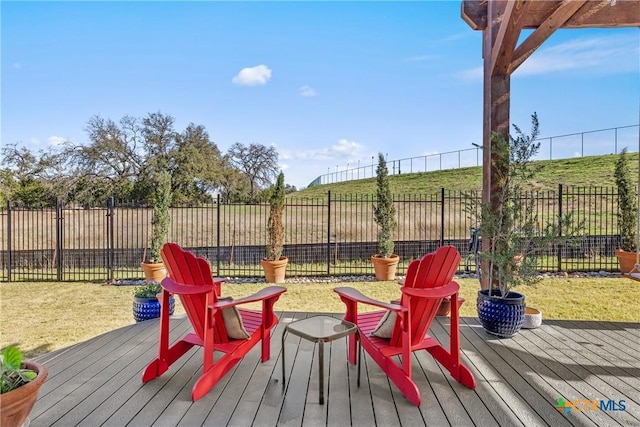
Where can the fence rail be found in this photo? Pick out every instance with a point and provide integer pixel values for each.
(580, 144)
(332, 235)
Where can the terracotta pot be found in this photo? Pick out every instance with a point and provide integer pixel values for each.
(517, 259)
(445, 306)
(274, 271)
(154, 272)
(627, 260)
(16, 405)
(385, 268)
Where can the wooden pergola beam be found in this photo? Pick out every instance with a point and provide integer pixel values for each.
(595, 14)
(506, 38)
(544, 31)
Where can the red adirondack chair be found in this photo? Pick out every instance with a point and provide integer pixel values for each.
(428, 281)
(190, 278)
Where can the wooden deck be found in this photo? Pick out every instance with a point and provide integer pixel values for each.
(519, 381)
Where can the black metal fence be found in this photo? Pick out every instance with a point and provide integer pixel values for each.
(333, 235)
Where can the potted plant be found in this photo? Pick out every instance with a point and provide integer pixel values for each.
(627, 213)
(384, 212)
(154, 270)
(146, 302)
(274, 263)
(516, 240)
(19, 387)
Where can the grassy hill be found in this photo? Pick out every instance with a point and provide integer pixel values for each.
(579, 171)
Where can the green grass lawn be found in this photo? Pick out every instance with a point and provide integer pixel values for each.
(576, 171)
(44, 316)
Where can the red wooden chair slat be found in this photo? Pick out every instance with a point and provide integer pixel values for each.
(190, 278)
(428, 281)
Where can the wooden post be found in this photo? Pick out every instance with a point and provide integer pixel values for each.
(497, 84)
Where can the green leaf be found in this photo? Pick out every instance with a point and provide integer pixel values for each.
(11, 358)
(29, 374)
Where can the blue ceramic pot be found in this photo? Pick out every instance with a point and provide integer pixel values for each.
(499, 316)
(149, 308)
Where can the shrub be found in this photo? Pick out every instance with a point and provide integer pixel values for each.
(384, 211)
(275, 227)
(627, 203)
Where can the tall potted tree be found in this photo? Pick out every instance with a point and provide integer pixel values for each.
(385, 261)
(20, 383)
(274, 263)
(627, 213)
(510, 223)
(154, 269)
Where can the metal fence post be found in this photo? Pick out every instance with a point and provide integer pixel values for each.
(59, 240)
(218, 237)
(329, 232)
(560, 225)
(442, 216)
(110, 239)
(9, 239)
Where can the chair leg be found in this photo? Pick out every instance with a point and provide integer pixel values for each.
(160, 365)
(265, 345)
(395, 373)
(284, 377)
(359, 360)
(321, 370)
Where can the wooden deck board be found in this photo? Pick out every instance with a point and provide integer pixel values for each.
(597, 363)
(103, 375)
(580, 361)
(468, 399)
(600, 338)
(264, 383)
(502, 377)
(539, 379)
(98, 382)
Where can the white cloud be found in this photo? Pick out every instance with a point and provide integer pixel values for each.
(595, 54)
(345, 146)
(471, 74)
(307, 91)
(588, 54)
(17, 65)
(344, 150)
(253, 76)
(423, 58)
(55, 140)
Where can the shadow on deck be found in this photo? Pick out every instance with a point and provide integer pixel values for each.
(98, 382)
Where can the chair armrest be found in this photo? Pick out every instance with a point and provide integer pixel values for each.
(356, 295)
(439, 292)
(261, 295)
(178, 288)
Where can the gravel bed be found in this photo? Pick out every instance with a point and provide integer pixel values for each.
(370, 278)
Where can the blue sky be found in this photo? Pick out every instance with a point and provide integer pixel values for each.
(330, 84)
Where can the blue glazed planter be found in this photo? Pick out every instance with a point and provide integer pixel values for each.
(149, 308)
(502, 317)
